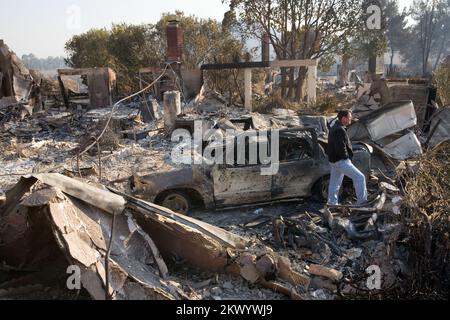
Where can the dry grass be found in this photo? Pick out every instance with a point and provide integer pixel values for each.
(427, 217)
(442, 79)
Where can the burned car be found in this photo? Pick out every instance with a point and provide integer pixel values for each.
(303, 171)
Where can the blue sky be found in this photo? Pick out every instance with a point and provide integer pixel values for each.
(42, 27)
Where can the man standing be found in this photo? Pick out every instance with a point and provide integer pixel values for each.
(340, 154)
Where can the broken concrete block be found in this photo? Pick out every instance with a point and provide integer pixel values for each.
(172, 108)
(248, 269)
(322, 271)
(150, 111)
(156, 108)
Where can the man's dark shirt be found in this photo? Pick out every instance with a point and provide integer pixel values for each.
(339, 145)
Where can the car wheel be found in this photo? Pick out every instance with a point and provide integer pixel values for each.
(178, 202)
(320, 189)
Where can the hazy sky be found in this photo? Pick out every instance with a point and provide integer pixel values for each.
(43, 27)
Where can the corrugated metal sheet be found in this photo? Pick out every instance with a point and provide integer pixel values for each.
(389, 120)
(407, 147)
(442, 131)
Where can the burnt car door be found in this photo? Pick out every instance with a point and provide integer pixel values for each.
(301, 165)
(239, 184)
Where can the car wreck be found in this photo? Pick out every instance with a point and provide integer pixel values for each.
(303, 171)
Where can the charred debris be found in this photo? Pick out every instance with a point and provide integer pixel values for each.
(88, 184)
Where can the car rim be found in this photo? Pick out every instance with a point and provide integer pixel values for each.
(176, 203)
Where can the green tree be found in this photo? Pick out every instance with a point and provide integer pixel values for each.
(205, 40)
(209, 41)
(89, 50)
(298, 30)
(126, 48)
(443, 34)
(132, 47)
(363, 43)
(442, 79)
(371, 43)
(430, 33)
(397, 31)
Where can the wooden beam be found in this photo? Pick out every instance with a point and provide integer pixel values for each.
(239, 65)
(81, 72)
(292, 63)
(263, 64)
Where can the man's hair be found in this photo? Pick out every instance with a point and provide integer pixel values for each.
(344, 114)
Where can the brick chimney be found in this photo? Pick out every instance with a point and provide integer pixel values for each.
(175, 41)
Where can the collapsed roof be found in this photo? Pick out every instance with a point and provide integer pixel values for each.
(16, 82)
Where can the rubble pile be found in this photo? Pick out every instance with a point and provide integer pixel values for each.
(50, 141)
(335, 247)
(19, 93)
(71, 202)
(310, 252)
(105, 232)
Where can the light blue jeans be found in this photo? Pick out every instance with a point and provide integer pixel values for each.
(338, 171)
